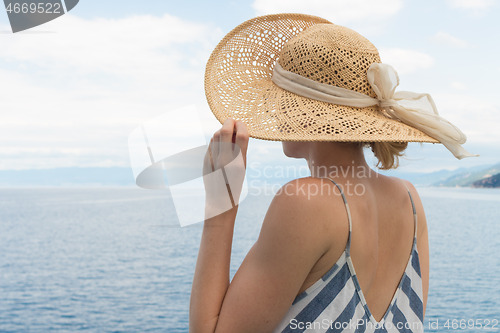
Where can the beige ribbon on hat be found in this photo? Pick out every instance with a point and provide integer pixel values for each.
(420, 111)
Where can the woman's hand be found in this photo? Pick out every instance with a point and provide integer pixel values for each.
(224, 167)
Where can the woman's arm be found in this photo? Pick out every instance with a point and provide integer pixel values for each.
(290, 242)
(211, 278)
(271, 274)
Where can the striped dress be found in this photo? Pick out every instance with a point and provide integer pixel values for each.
(335, 303)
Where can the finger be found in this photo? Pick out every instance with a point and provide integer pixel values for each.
(227, 130)
(226, 137)
(216, 136)
(214, 149)
(210, 155)
(208, 166)
(242, 137)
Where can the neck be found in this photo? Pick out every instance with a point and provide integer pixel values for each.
(337, 159)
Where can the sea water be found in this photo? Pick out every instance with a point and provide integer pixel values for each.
(115, 259)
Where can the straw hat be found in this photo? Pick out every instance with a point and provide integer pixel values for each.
(271, 71)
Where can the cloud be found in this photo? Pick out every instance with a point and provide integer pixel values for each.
(444, 38)
(457, 85)
(365, 16)
(138, 47)
(405, 61)
(478, 118)
(471, 4)
(71, 94)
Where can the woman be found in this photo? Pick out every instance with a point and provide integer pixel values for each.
(345, 249)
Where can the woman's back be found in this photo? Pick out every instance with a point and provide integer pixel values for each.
(358, 278)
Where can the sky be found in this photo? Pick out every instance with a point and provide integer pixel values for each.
(72, 90)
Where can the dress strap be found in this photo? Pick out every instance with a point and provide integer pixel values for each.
(414, 210)
(348, 246)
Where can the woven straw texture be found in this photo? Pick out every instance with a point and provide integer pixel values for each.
(238, 82)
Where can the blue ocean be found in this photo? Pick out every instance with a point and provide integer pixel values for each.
(116, 260)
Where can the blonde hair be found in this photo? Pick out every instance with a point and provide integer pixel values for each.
(387, 153)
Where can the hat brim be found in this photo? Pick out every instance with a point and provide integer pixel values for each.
(238, 85)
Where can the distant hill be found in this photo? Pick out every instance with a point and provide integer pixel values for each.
(421, 178)
(493, 181)
(452, 178)
(122, 176)
(467, 177)
(115, 176)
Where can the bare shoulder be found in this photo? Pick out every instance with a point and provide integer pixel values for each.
(422, 222)
(422, 238)
(306, 208)
(307, 197)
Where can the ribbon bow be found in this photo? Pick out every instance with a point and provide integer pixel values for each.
(416, 110)
(420, 111)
